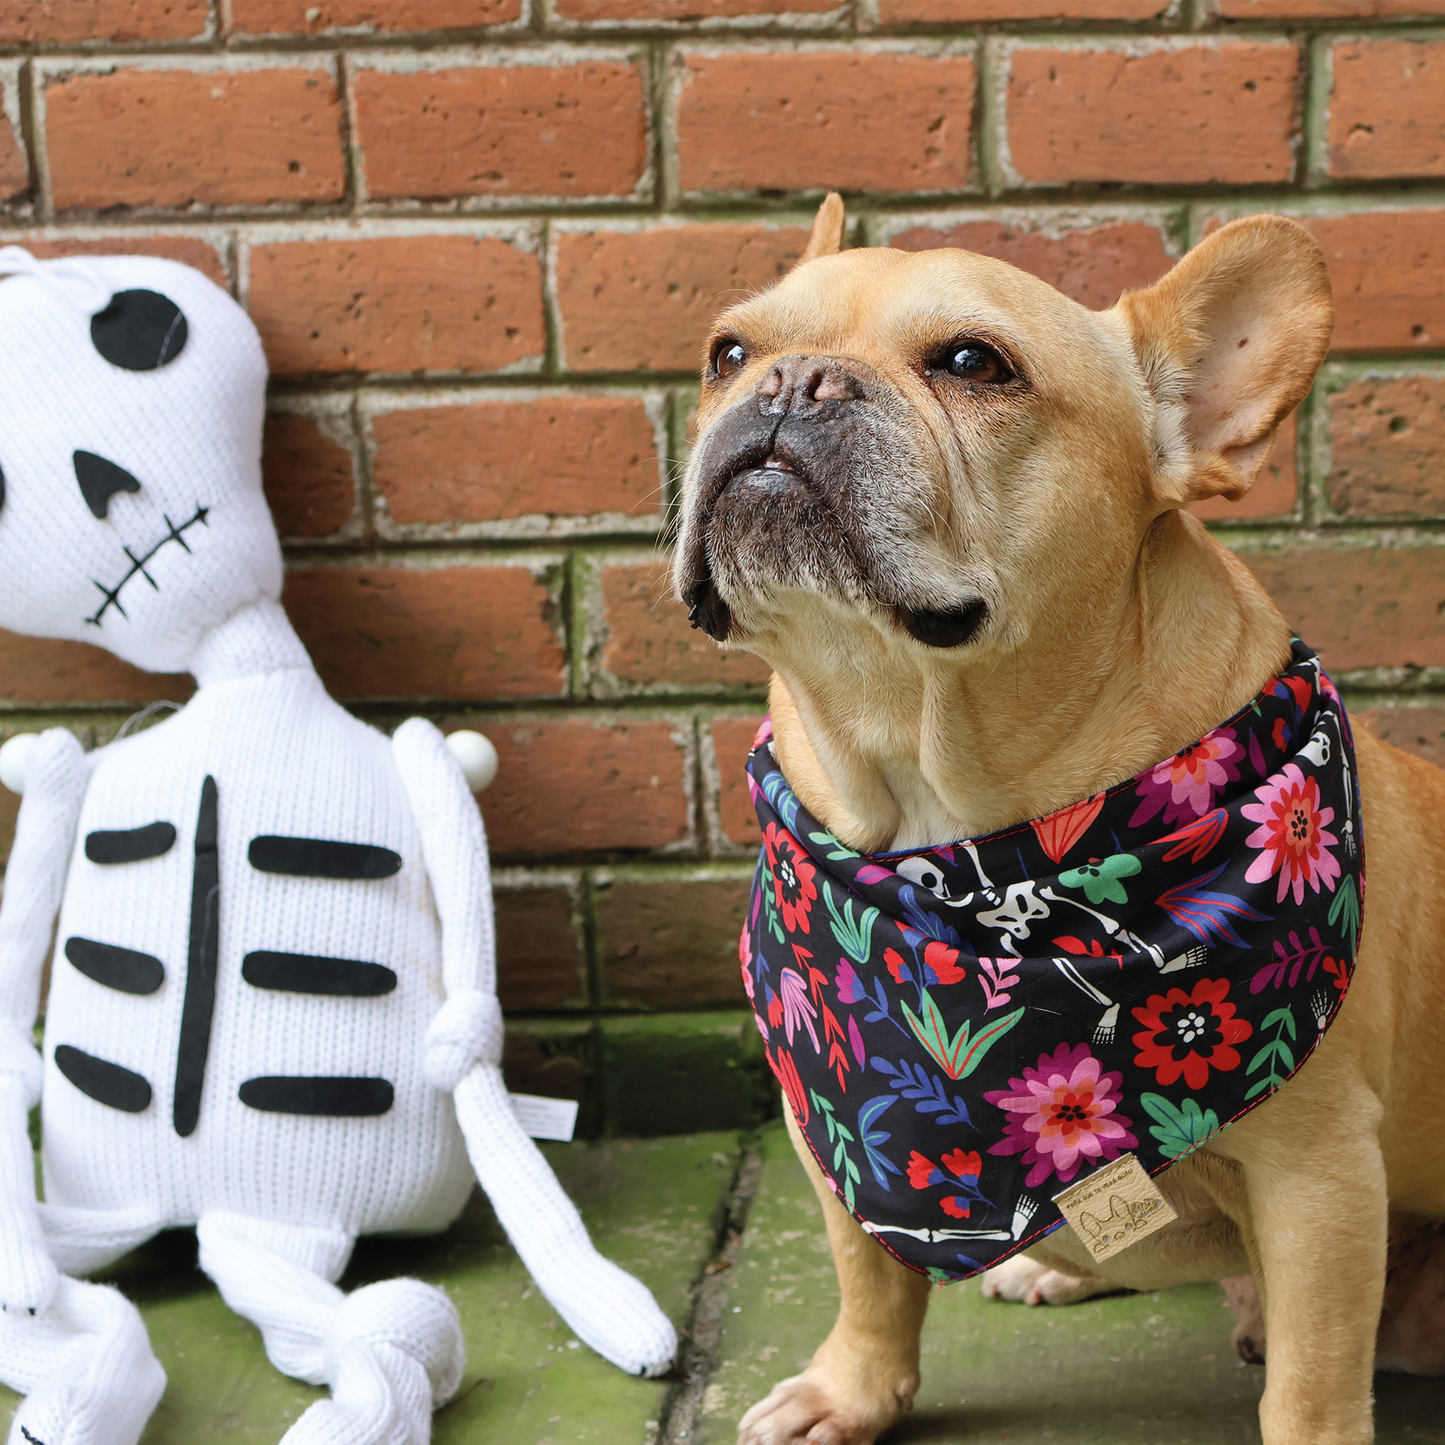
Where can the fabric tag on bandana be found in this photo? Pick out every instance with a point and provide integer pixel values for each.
(1114, 1207)
(545, 1118)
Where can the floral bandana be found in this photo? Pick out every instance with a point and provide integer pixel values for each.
(964, 1031)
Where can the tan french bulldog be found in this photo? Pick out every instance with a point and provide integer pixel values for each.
(947, 505)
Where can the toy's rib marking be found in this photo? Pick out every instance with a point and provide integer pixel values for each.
(321, 858)
(347, 1098)
(130, 845)
(311, 973)
(119, 968)
(200, 1000)
(103, 1081)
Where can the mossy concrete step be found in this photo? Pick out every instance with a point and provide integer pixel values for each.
(652, 1205)
(1148, 1368)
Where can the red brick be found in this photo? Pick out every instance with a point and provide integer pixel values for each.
(1388, 270)
(644, 300)
(673, 944)
(308, 477)
(176, 138)
(9, 812)
(502, 130)
(795, 121)
(1361, 606)
(36, 670)
(732, 740)
(489, 460)
(1387, 113)
(650, 644)
(683, 12)
(946, 12)
(1094, 265)
(1417, 729)
(538, 962)
(1326, 9)
(190, 250)
(397, 303)
(573, 785)
(1387, 437)
(470, 633)
(14, 164)
(1275, 494)
(41, 22)
(387, 17)
(1176, 115)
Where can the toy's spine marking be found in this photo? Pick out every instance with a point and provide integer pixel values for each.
(320, 858)
(347, 1098)
(103, 1081)
(119, 968)
(130, 845)
(310, 973)
(200, 1000)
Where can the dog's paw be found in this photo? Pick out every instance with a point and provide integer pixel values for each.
(1242, 1298)
(1024, 1281)
(806, 1411)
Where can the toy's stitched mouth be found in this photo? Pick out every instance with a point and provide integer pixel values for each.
(138, 564)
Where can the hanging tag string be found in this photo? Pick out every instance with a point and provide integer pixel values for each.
(75, 279)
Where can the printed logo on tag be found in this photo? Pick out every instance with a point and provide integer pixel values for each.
(1114, 1207)
(545, 1118)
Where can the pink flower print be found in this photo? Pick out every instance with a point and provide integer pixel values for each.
(847, 982)
(1061, 1114)
(1291, 835)
(1184, 786)
(797, 1006)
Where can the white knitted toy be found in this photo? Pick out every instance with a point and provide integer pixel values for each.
(273, 999)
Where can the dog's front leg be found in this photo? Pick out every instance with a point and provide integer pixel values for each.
(1320, 1218)
(864, 1375)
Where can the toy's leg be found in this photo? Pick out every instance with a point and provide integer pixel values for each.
(391, 1352)
(609, 1310)
(85, 1367)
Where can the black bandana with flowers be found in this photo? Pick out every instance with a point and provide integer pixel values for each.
(964, 1031)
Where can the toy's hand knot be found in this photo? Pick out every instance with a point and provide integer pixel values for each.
(19, 1060)
(467, 1030)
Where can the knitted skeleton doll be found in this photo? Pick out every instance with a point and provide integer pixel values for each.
(273, 1008)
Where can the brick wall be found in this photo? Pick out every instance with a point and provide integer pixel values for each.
(482, 240)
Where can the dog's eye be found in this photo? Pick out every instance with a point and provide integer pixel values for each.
(728, 356)
(974, 362)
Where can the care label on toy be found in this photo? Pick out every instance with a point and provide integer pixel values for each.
(1114, 1207)
(545, 1118)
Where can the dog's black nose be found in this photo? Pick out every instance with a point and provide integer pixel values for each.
(100, 480)
(803, 385)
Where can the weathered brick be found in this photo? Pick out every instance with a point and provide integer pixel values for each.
(1093, 264)
(190, 250)
(732, 739)
(397, 304)
(1326, 9)
(539, 965)
(683, 12)
(1172, 115)
(308, 477)
(554, 1058)
(478, 461)
(9, 812)
(1387, 112)
(1361, 606)
(1275, 494)
(576, 785)
(53, 22)
(1418, 728)
(644, 300)
(14, 164)
(36, 670)
(672, 944)
(649, 643)
(1387, 441)
(792, 121)
(173, 137)
(469, 633)
(385, 17)
(502, 130)
(946, 12)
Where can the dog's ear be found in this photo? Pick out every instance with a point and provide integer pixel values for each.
(827, 237)
(1229, 343)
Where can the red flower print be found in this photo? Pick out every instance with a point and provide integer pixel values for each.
(1336, 970)
(1190, 1034)
(956, 1207)
(1291, 835)
(787, 1075)
(775, 1009)
(964, 1164)
(896, 965)
(922, 1172)
(793, 876)
(943, 960)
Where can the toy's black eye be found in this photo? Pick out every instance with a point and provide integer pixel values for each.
(139, 330)
(972, 361)
(728, 357)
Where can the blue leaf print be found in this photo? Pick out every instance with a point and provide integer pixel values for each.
(927, 925)
(1205, 913)
(873, 1139)
(914, 1082)
(780, 795)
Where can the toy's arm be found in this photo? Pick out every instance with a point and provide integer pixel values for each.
(606, 1307)
(55, 777)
